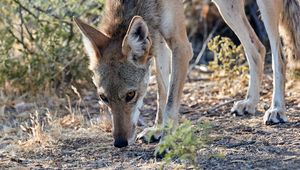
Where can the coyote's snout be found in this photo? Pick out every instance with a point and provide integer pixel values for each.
(121, 52)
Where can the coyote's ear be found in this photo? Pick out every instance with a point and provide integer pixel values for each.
(136, 44)
(93, 40)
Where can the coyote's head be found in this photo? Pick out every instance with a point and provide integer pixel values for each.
(121, 73)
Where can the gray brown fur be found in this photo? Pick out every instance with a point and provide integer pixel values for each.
(118, 14)
(290, 31)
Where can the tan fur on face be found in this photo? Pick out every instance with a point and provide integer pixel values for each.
(115, 79)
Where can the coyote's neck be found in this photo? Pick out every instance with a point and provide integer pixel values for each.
(118, 14)
(116, 17)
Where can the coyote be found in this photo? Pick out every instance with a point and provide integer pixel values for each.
(131, 33)
(280, 17)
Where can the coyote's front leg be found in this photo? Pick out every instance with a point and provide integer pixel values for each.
(162, 63)
(174, 32)
(171, 78)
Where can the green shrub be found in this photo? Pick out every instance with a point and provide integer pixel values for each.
(39, 44)
(294, 74)
(229, 67)
(183, 142)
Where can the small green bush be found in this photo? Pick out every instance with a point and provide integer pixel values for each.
(228, 57)
(183, 142)
(39, 44)
(229, 67)
(294, 74)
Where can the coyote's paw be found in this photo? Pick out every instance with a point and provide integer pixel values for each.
(275, 116)
(243, 107)
(150, 135)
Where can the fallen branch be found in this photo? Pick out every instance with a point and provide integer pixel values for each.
(220, 105)
(200, 55)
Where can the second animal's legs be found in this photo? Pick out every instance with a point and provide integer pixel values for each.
(234, 15)
(270, 11)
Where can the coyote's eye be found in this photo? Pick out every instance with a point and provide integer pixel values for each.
(129, 96)
(103, 98)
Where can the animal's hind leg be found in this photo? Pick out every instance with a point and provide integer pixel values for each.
(270, 11)
(234, 15)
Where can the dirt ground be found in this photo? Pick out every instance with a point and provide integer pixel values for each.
(72, 135)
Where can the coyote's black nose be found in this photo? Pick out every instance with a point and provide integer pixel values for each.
(120, 143)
